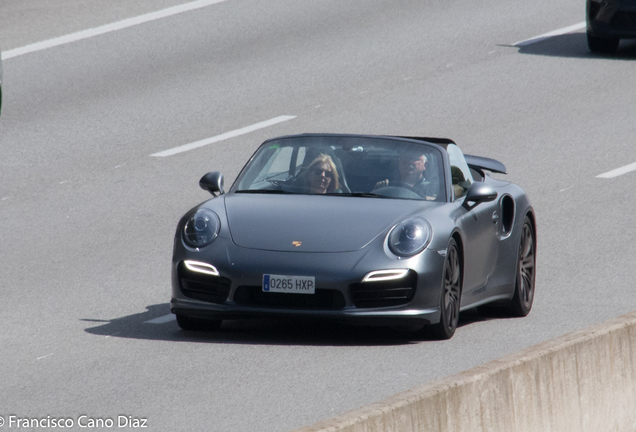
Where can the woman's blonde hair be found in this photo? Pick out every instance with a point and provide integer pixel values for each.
(323, 158)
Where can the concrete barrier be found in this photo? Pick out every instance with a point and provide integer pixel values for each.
(584, 381)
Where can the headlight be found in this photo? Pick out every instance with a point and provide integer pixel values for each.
(409, 237)
(202, 227)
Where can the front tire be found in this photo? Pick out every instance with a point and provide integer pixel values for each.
(450, 295)
(526, 274)
(602, 45)
(197, 324)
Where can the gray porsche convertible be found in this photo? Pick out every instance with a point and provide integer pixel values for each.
(376, 230)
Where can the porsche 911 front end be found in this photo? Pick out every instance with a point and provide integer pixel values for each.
(309, 270)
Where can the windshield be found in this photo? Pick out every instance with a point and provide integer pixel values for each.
(345, 166)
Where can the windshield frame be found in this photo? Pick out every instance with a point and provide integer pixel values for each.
(388, 143)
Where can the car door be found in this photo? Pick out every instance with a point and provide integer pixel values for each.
(479, 229)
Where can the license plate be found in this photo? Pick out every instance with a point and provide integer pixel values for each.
(289, 284)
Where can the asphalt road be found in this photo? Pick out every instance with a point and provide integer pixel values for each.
(87, 215)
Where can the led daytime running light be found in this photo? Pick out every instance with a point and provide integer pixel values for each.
(201, 267)
(385, 275)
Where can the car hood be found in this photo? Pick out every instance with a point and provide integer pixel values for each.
(318, 223)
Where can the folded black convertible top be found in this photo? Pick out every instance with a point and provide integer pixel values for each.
(440, 141)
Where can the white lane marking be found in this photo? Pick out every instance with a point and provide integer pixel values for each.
(545, 36)
(119, 25)
(162, 320)
(224, 136)
(40, 358)
(618, 171)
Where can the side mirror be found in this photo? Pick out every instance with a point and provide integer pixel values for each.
(479, 193)
(212, 182)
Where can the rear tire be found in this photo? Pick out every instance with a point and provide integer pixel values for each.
(602, 45)
(197, 324)
(450, 295)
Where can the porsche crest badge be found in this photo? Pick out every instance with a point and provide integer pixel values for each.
(297, 243)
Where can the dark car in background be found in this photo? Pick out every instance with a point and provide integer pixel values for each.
(609, 21)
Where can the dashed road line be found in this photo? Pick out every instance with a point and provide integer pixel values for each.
(548, 35)
(224, 136)
(618, 171)
(119, 25)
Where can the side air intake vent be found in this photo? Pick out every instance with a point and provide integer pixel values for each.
(508, 215)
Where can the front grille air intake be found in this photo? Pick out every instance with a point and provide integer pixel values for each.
(201, 286)
(395, 292)
(323, 299)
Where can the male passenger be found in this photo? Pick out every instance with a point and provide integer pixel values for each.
(412, 167)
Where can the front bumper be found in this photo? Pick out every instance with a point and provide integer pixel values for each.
(340, 293)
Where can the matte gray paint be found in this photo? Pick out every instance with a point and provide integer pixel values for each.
(322, 223)
(346, 239)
